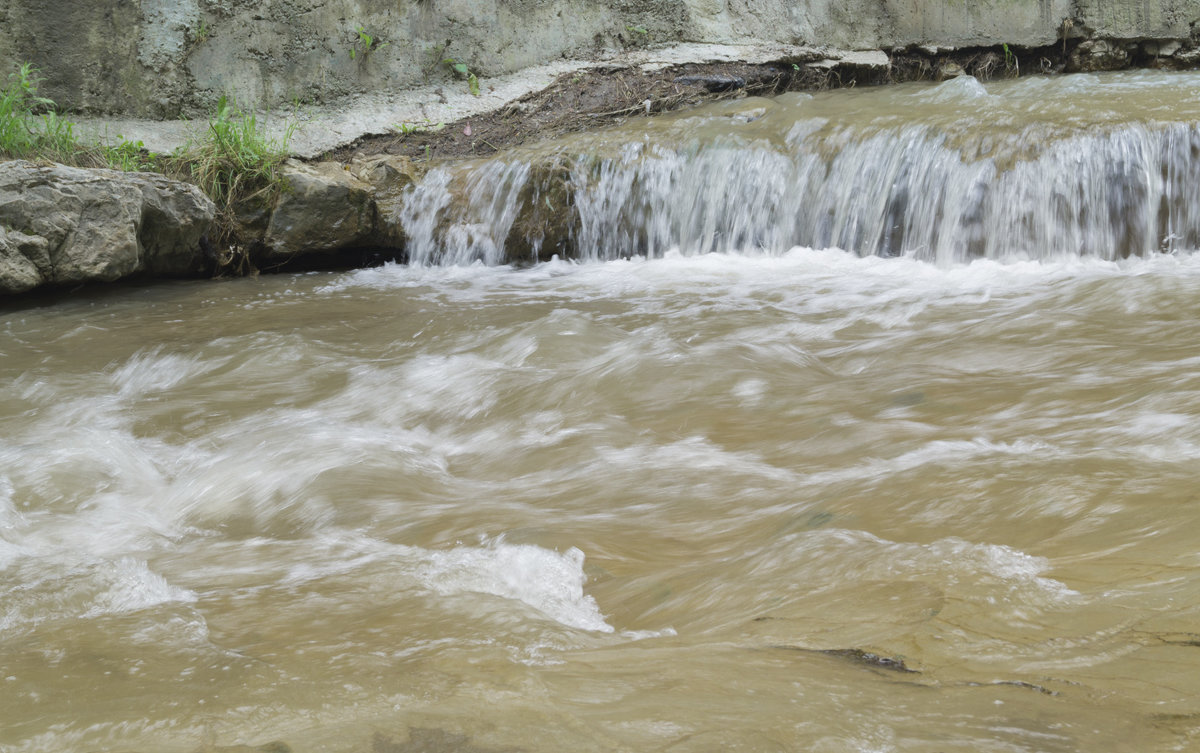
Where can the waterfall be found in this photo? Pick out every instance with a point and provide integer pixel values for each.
(916, 189)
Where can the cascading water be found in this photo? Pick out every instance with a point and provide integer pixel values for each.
(737, 492)
(768, 175)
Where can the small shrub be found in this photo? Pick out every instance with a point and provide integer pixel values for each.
(461, 70)
(365, 44)
(237, 165)
(28, 123)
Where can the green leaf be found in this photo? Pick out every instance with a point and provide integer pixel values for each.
(461, 68)
(473, 84)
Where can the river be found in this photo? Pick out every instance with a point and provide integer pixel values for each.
(912, 489)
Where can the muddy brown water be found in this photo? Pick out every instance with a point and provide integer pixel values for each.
(794, 499)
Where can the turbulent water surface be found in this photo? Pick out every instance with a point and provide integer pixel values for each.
(764, 499)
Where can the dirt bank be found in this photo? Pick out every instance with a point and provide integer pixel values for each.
(605, 95)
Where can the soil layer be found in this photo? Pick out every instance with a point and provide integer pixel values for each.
(602, 97)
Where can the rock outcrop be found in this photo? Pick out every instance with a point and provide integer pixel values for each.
(323, 208)
(63, 225)
(329, 209)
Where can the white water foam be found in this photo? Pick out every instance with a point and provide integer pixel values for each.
(550, 582)
(957, 90)
(804, 281)
(84, 591)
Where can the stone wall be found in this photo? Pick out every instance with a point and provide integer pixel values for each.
(164, 58)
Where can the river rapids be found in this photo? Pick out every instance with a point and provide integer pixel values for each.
(861, 422)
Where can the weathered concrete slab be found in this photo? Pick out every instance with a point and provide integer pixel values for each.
(160, 58)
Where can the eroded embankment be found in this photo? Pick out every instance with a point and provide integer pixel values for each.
(605, 95)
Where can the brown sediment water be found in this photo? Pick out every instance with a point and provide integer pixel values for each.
(768, 497)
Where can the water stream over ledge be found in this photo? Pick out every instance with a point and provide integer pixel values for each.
(731, 493)
(1089, 165)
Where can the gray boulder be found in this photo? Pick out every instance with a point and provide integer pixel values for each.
(63, 225)
(390, 178)
(323, 208)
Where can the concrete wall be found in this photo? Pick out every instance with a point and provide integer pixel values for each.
(163, 58)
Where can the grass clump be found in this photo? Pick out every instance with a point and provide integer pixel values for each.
(32, 128)
(29, 126)
(234, 162)
(237, 164)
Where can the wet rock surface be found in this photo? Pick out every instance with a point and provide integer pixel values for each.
(1099, 55)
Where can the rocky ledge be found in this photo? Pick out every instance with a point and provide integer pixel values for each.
(63, 226)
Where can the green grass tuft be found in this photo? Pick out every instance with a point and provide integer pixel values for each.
(235, 162)
(28, 123)
(32, 128)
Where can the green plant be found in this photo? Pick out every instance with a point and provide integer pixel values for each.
(130, 156)
(56, 136)
(1011, 64)
(20, 105)
(236, 162)
(202, 32)
(366, 44)
(31, 127)
(462, 71)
